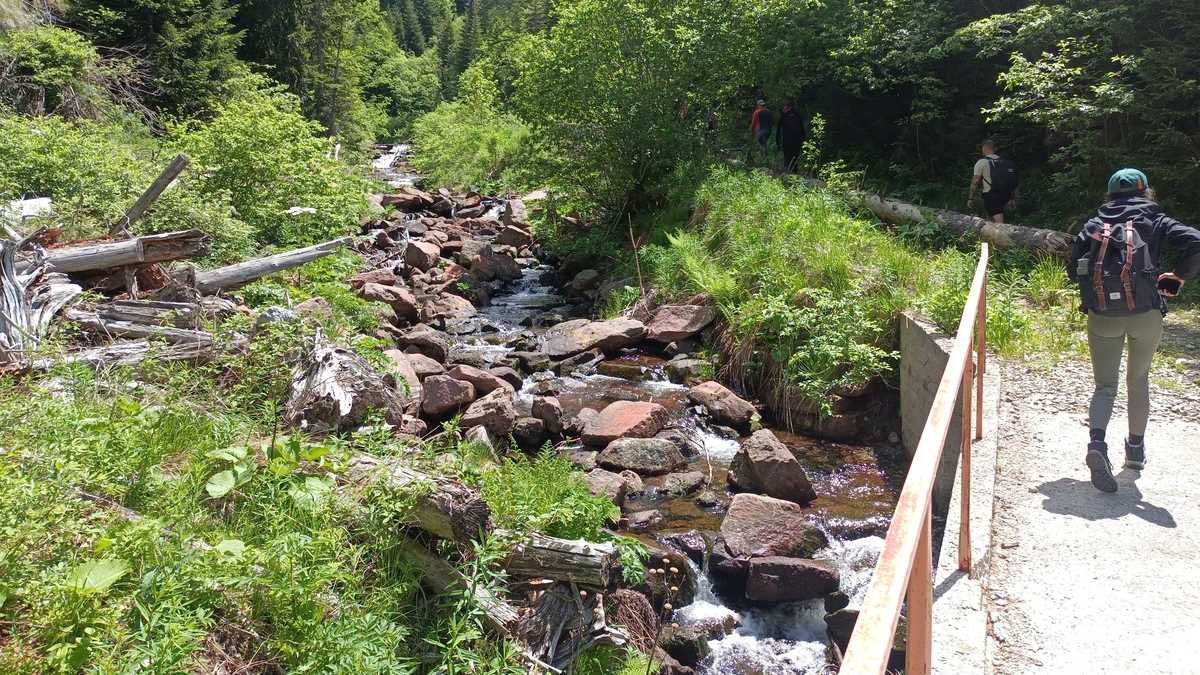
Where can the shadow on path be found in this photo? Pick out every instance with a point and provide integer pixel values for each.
(1079, 498)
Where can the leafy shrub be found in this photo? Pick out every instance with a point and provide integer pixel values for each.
(546, 495)
(467, 147)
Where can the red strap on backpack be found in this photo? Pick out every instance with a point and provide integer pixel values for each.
(1098, 268)
(1126, 276)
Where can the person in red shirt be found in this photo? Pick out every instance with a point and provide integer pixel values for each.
(762, 122)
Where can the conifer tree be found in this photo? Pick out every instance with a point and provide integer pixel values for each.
(468, 42)
(416, 35)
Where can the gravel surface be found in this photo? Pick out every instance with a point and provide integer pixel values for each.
(1082, 581)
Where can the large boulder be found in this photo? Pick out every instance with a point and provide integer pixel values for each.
(424, 366)
(763, 464)
(676, 322)
(402, 369)
(604, 483)
(382, 276)
(686, 643)
(489, 265)
(572, 337)
(514, 236)
(585, 281)
(723, 405)
(647, 456)
(422, 255)
(515, 214)
(637, 419)
(485, 382)
(549, 411)
(400, 299)
(493, 412)
(757, 526)
(426, 340)
(443, 395)
(779, 579)
(684, 483)
(529, 433)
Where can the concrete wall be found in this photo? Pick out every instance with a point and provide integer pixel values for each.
(924, 351)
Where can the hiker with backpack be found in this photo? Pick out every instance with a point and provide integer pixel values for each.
(998, 177)
(762, 121)
(789, 136)
(1115, 260)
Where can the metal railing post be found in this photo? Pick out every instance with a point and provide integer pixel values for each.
(918, 656)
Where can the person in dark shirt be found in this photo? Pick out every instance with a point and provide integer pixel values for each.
(1130, 201)
(789, 136)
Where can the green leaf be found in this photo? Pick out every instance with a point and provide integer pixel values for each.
(96, 576)
(221, 484)
(231, 547)
(313, 452)
(310, 491)
(231, 454)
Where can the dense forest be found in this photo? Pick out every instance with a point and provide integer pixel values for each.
(173, 515)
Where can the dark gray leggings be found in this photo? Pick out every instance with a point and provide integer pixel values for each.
(1106, 341)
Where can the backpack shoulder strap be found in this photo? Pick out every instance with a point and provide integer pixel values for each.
(1098, 267)
(1126, 277)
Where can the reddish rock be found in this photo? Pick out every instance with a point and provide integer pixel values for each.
(493, 412)
(425, 366)
(422, 255)
(512, 377)
(315, 308)
(757, 526)
(676, 322)
(489, 265)
(429, 341)
(779, 579)
(572, 337)
(515, 214)
(398, 298)
(647, 456)
(636, 419)
(514, 236)
(412, 426)
(485, 382)
(529, 433)
(643, 520)
(763, 464)
(402, 369)
(549, 411)
(408, 199)
(447, 306)
(604, 483)
(684, 483)
(443, 395)
(723, 405)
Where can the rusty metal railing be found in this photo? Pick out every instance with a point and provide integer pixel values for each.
(905, 568)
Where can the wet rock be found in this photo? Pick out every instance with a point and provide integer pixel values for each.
(422, 255)
(485, 382)
(668, 665)
(684, 483)
(643, 520)
(532, 362)
(514, 236)
(400, 366)
(426, 340)
(778, 579)
(529, 433)
(585, 281)
(763, 464)
(686, 644)
(682, 371)
(681, 441)
(425, 366)
(512, 377)
(636, 419)
(840, 624)
(572, 337)
(723, 405)
(691, 543)
(604, 483)
(549, 411)
(633, 483)
(448, 307)
(382, 276)
(708, 498)
(682, 348)
(626, 370)
(400, 299)
(443, 395)
(492, 266)
(836, 600)
(647, 456)
(493, 412)
(757, 526)
(580, 362)
(676, 322)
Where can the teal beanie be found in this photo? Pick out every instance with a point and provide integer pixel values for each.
(1127, 180)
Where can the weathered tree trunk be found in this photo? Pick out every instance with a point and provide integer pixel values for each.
(440, 576)
(232, 276)
(151, 194)
(564, 623)
(334, 389)
(28, 303)
(541, 557)
(151, 312)
(150, 248)
(1003, 235)
(94, 324)
(443, 508)
(134, 352)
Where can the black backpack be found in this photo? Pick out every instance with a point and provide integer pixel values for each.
(1004, 175)
(1117, 276)
(766, 119)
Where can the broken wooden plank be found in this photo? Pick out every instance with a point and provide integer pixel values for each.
(92, 323)
(233, 276)
(131, 353)
(152, 312)
(150, 248)
(147, 199)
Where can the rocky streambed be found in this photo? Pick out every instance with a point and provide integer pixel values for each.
(767, 538)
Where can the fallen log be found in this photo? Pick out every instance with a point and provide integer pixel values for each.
(1003, 235)
(542, 557)
(440, 577)
(151, 312)
(147, 199)
(442, 507)
(132, 353)
(150, 248)
(233, 276)
(93, 323)
(28, 303)
(334, 389)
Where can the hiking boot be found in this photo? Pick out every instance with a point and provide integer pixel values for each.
(1097, 462)
(1135, 455)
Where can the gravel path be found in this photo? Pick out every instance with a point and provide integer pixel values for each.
(1082, 581)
